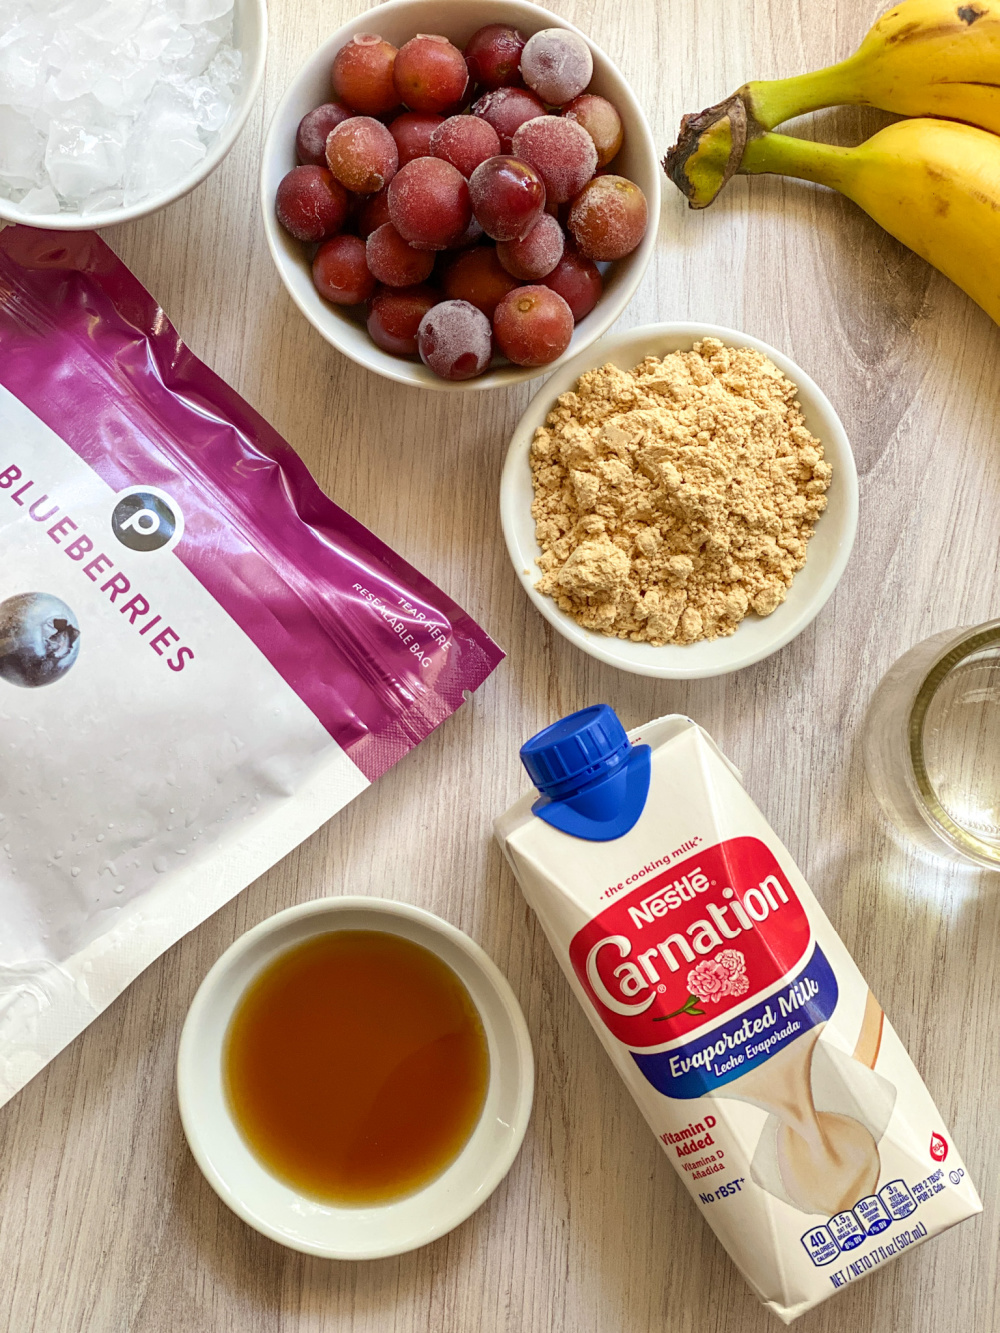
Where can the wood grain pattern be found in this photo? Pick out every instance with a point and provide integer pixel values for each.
(106, 1225)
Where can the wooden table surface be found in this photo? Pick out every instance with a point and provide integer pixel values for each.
(107, 1225)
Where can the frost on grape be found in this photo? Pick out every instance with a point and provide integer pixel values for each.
(455, 340)
(557, 65)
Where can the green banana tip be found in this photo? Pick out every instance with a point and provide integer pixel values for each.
(709, 149)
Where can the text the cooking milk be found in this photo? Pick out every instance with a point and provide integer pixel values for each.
(739, 1021)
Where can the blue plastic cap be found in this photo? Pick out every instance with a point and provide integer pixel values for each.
(576, 751)
(594, 782)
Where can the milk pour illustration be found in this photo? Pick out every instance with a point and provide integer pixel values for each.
(730, 1006)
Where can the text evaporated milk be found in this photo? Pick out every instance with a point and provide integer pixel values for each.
(730, 1006)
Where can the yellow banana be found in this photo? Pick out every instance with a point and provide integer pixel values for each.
(933, 184)
(922, 58)
(936, 58)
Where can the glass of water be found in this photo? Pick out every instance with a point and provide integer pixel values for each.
(932, 744)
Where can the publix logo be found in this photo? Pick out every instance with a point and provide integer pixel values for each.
(683, 949)
(145, 518)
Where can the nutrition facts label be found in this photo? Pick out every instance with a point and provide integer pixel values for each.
(870, 1217)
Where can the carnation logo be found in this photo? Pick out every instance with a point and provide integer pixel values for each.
(146, 519)
(707, 936)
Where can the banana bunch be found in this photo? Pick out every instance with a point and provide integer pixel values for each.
(933, 182)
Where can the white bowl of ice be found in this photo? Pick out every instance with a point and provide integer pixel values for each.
(112, 109)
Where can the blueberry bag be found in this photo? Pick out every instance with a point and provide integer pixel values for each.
(202, 657)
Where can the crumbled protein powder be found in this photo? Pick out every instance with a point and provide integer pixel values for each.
(673, 499)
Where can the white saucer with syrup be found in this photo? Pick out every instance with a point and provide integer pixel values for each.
(295, 1216)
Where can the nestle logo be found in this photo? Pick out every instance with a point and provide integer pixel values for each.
(667, 897)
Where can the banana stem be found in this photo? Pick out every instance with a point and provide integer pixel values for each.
(712, 143)
(771, 101)
(780, 155)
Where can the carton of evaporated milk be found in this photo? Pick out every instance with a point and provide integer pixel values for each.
(730, 1006)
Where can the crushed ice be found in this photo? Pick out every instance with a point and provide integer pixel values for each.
(104, 103)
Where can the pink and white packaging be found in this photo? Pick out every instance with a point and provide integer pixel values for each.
(202, 658)
(743, 1028)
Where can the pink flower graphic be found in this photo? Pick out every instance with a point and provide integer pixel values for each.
(715, 978)
(736, 963)
(709, 980)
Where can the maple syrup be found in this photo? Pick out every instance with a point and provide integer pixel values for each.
(356, 1067)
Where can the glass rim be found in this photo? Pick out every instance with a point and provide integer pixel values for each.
(967, 844)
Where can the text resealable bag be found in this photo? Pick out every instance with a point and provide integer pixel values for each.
(730, 1006)
(202, 657)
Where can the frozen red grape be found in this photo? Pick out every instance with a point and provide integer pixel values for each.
(310, 204)
(608, 218)
(508, 197)
(506, 109)
(455, 340)
(374, 212)
(557, 65)
(412, 132)
(394, 261)
(537, 253)
(533, 326)
(465, 142)
(493, 55)
(362, 74)
(430, 74)
(578, 281)
(340, 271)
(362, 154)
(429, 203)
(561, 151)
(394, 315)
(311, 136)
(601, 121)
(477, 276)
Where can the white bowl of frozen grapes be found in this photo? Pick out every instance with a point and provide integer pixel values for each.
(345, 324)
(112, 109)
